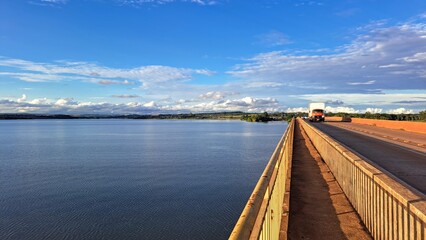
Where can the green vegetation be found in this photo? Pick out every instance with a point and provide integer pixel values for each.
(421, 116)
(266, 117)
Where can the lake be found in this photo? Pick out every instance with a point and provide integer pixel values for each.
(129, 179)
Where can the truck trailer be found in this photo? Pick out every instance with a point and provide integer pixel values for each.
(316, 112)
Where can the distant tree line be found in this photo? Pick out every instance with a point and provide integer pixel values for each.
(263, 117)
(421, 116)
(249, 117)
(266, 117)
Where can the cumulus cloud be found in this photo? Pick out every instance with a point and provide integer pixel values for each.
(38, 101)
(216, 95)
(71, 106)
(182, 101)
(90, 72)
(150, 104)
(341, 109)
(66, 102)
(23, 98)
(374, 110)
(394, 56)
(246, 104)
(400, 111)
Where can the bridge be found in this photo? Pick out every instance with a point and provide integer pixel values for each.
(339, 180)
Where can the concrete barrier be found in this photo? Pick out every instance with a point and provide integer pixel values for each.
(338, 119)
(388, 208)
(262, 215)
(419, 127)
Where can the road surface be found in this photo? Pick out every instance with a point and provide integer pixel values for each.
(416, 141)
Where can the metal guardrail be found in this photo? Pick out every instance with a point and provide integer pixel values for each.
(262, 215)
(388, 208)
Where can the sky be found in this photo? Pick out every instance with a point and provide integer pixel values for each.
(180, 56)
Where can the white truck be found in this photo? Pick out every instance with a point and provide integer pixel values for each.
(316, 112)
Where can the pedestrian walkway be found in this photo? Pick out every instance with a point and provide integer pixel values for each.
(318, 207)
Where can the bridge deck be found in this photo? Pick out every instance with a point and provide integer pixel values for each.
(318, 207)
(406, 164)
(413, 140)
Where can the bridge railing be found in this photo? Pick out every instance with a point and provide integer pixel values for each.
(262, 215)
(388, 208)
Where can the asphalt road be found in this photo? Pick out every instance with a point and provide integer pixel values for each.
(413, 140)
(404, 163)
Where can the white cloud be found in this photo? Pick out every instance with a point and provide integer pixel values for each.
(182, 101)
(61, 71)
(66, 102)
(297, 109)
(400, 111)
(341, 109)
(150, 104)
(394, 56)
(23, 98)
(362, 83)
(71, 106)
(374, 110)
(418, 57)
(246, 104)
(216, 95)
(38, 101)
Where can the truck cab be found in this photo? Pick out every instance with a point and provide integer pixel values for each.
(316, 112)
(317, 115)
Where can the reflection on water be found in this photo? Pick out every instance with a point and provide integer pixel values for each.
(127, 179)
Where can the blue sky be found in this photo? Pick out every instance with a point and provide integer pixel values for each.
(158, 56)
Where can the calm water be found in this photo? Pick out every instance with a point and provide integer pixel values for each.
(128, 179)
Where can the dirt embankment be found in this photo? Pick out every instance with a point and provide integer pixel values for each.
(419, 127)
